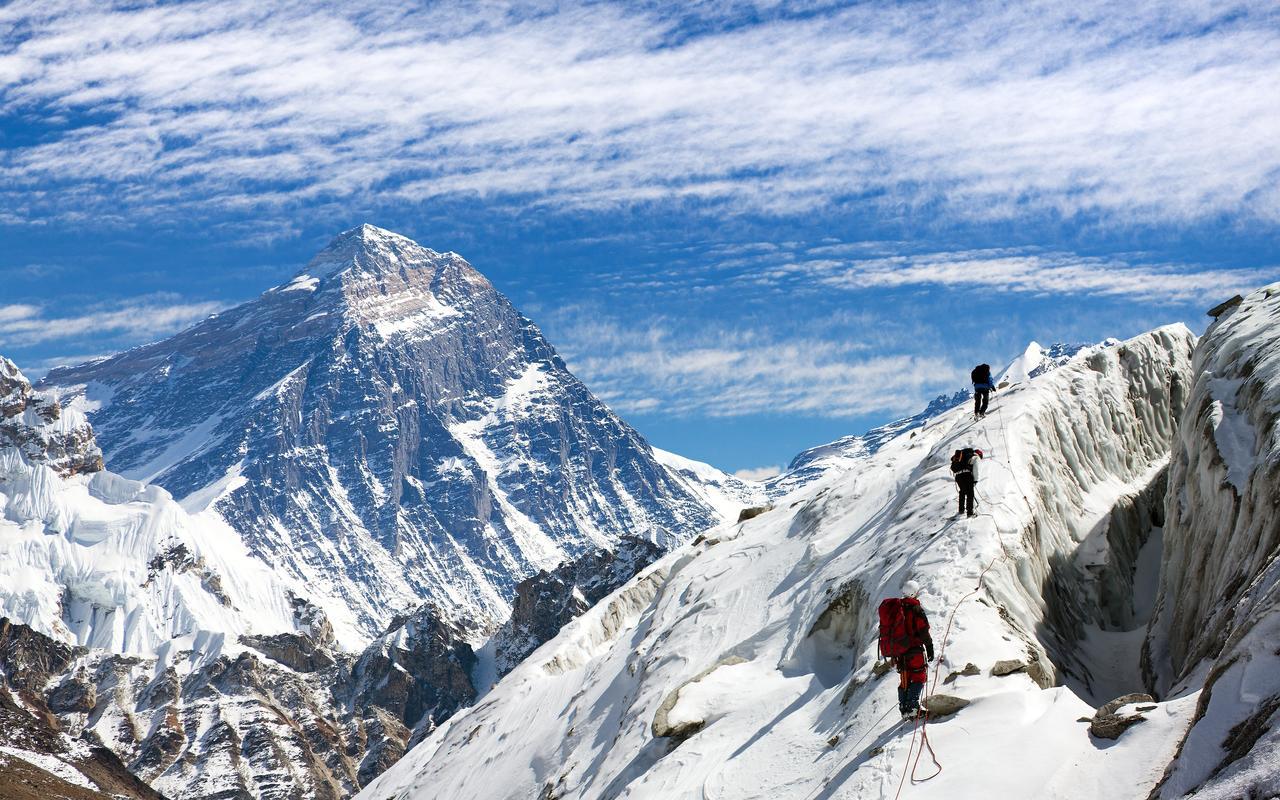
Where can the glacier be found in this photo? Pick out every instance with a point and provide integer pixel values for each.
(741, 665)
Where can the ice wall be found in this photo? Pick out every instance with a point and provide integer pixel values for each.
(1217, 619)
(1082, 446)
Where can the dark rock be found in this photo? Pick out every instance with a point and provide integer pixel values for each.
(27, 661)
(26, 423)
(1107, 724)
(969, 669)
(295, 652)
(1008, 667)
(943, 705)
(753, 512)
(546, 602)
(73, 695)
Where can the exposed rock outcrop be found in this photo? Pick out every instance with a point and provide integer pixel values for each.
(545, 602)
(36, 424)
(40, 760)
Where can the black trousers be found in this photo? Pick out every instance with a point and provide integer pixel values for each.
(980, 399)
(965, 483)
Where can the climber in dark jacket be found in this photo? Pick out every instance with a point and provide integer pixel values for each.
(913, 665)
(964, 466)
(983, 385)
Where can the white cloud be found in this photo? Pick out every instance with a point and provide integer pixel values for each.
(712, 372)
(1030, 273)
(1145, 111)
(139, 319)
(759, 473)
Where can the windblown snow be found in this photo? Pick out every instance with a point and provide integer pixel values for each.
(740, 665)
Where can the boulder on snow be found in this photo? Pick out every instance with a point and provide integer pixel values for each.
(969, 669)
(1107, 724)
(943, 705)
(753, 512)
(1008, 667)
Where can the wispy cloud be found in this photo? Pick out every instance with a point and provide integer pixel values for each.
(717, 372)
(872, 266)
(759, 473)
(139, 319)
(1025, 272)
(1145, 111)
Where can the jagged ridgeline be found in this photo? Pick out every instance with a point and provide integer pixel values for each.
(1107, 623)
(386, 429)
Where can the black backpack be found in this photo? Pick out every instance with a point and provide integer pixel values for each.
(981, 374)
(960, 461)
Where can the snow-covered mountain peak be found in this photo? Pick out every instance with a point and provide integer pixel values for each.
(389, 429)
(1038, 359)
(368, 248)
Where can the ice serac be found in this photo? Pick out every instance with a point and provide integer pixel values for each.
(741, 664)
(1217, 622)
(387, 429)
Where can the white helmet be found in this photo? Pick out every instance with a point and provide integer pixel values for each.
(910, 589)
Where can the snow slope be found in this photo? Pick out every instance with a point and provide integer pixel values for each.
(848, 452)
(740, 665)
(727, 494)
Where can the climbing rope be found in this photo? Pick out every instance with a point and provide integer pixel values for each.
(1005, 438)
(919, 729)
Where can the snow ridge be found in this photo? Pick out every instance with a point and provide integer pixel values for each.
(740, 665)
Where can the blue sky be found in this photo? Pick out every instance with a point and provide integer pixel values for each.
(751, 228)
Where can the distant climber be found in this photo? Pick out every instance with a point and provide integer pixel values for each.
(983, 385)
(964, 466)
(904, 637)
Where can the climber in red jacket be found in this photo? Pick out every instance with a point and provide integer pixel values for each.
(904, 637)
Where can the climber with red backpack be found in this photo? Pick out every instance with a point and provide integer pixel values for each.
(982, 388)
(904, 637)
(964, 466)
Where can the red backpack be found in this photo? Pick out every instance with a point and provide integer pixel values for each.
(899, 626)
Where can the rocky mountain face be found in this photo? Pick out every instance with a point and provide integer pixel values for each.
(1216, 628)
(548, 601)
(150, 639)
(39, 760)
(387, 430)
(36, 425)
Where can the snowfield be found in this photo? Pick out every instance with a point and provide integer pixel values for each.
(741, 665)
